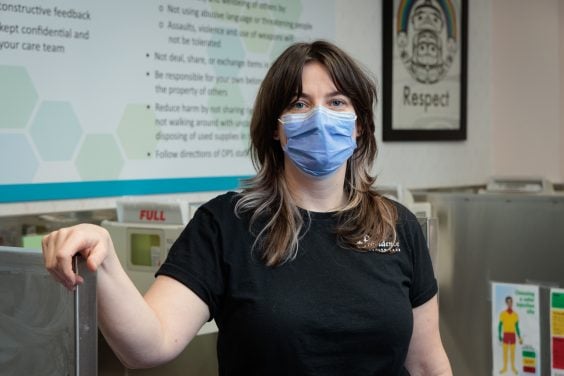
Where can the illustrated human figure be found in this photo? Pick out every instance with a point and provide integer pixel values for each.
(508, 330)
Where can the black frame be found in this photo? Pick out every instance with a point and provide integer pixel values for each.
(391, 134)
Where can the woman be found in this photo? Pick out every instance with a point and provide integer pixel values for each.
(307, 271)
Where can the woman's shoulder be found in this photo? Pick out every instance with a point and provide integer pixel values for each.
(404, 216)
(222, 202)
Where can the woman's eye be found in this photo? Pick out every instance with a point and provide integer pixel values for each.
(298, 106)
(337, 103)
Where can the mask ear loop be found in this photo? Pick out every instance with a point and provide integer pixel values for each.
(276, 134)
(359, 132)
(359, 128)
(350, 180)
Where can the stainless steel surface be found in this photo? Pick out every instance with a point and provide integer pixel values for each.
(430, 231)
(492, 238)
(37, 320)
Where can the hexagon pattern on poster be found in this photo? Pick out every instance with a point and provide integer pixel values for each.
(230, 113)
(99, 158)
(18, 97)
(293, 11)
(136, 131)
(257, 39)
(19, 163)
(229, 59)
(56, 131)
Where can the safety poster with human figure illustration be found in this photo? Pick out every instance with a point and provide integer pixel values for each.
(515, 329)
(557, 332)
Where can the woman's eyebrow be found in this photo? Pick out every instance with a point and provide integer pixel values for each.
(328, 95)
(303, 95)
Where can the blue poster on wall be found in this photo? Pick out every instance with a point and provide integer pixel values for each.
(106, 99)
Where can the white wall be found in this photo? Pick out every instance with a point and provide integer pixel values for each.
(428, 164)
(527, 128)
(515, 95)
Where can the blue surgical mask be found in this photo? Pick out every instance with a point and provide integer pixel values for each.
(319, 141)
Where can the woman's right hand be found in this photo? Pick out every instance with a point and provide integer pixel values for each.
(143, 332)
(91, 241)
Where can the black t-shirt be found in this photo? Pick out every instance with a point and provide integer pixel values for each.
(331, 311)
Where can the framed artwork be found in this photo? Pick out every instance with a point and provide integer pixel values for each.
(424, 70)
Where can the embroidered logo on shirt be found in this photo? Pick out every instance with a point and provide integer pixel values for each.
(387, 247)
(369, 245)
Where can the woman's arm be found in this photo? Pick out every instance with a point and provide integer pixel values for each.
(426, 355)
(142, 331)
